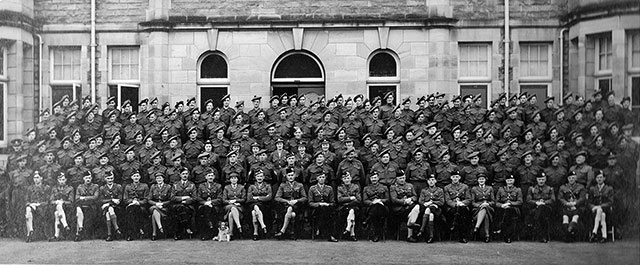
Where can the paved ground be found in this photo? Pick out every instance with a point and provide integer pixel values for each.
(317, 252)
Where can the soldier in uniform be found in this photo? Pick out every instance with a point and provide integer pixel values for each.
(418, 170)
(322, 204)
(508, 203)
(183, 195)
(50, 170)
(572, 197)
(556, 174)
(430, 204)
(348, 200)
(471, 172)
(403, 198)
(112, 126)
(483, 201)
(253, 113)
(233, 166)
(159, 198)
(386, 169)
(77, 172)
(37, 197)
(102, 170)
(291, 197)
(233, 197)
(352, 165)
(600, 199)
(583, 170)
(375, 198)
(61, 200)
(444, 169)
(131, 128)
(259, 196)
(458, 198)
(110, 197)
(135, 198)
(540, 199)
(527, 172)
(86, 199)
(129, 166)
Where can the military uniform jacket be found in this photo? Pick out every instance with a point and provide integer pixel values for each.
(262, 191)
(291, 191)
(398, 193)
(443, 172)
(375, 127)
(231, 168)
(199, 174)
(527, 174)
(65, 157)
(600, 195)
(435, 194)
(153, 170)
(49, 173)
(100, 172)
(128, 167)
(210, 192)
(159, 194)
(138, 191)
(572, 193)
(111, 129)
(469, 174)
(482, 194)
(109, 192)
(20, 177)
(64, 193)
(459, 191)
(544, 193)
(75, 175)
(91, 157)
(192, 148)
(38, 194)
(313, 170)
(183, 188)
(354, 167)
(386, 172)
(346, 191)
(375, 191)
(508, 194)
(584, 173)
(90, 192)
(237, 193)
(499, 171)
(318, 194)
(615, 176)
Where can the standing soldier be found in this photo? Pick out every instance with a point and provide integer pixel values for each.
(471, 172)
(110, 197)
(253, 113)
(233, 166)
(227, 112)
(192, 147)
(86, 205)
(50, 170)
(129, 166)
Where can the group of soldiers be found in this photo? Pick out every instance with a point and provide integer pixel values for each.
(339, 165)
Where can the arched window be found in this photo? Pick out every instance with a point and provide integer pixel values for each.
(213, 78)
(298, 72)
(383, 68)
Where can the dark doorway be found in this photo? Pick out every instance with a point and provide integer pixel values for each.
(130, 92)
(475, 90)
(214, 93)
(381, 90)
(539, 90)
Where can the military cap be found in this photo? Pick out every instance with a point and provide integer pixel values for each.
(572, 173)
(348, 139)
(176, 156)
(431, 124)
(406, 100)
(16, 142)
(126, 103)
(45, 111)
(482, 175)
(463, 134)
(274, 98)
(537, 112)
(477, 97)
(512, 109)
(525, 154)
(154, 99)
(399, 173)
(388, 130)
(21, 157)
(388, 94)
(52, 129)
(624, 99)
(612, 155)
(129, 149)
(261, 152)
(431, 96)
(144, 100)
(541, 175)
(443, 153)
(502, 151)
(30, 130)
(582, 153)
(86, 98)
(316, 154)
(255, 97)
(513, 97)
(349, 150)
(549, 98)
(104, 154)
(365, 136)
(71, 114)
(473, 154)
(437, 134)
(487, 133)
(510, 176)
(111, 99)
(512, 141)
(528, 130)
(66, 138)
(457, 97)
(114, 144)
(627, 127)
(455, 172)
(225, 97)
(397, 140)
(111, 113)
(478, 127)
(191, 99)
(610, 93)
(192, 129)
(175, 137)
(417, 150)
(159, 174)
(325, 141)
(553, 154)
(560, 110)
(440, 95)
(465, 97)
(240, 103)
(178, 104)
(375, 99)
(374, 109)
(155, 154)
(567, 96)
(163, 129)
(203, 155)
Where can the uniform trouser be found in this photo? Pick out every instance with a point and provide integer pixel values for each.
(460, 220)
(208, 217)
(376, 215)
(135, 219)
(418, 186)
(540, 215)
(507, 220)
(324, 217)
(183, 215)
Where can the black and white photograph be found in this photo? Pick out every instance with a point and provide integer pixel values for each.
(320, 132)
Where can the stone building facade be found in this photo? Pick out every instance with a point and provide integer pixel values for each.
(174, 49)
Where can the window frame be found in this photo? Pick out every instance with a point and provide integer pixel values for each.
(631, 69)
(475, 79)
(383, 79)
(597, 71)
(212, 81)
(3, 53)
(630, 94)
(530, 78)
(110, 66)
(298, 80)
(4, 141)
(52, 51)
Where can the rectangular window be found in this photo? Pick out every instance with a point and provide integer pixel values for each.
(603, 54)
(604, 85)
(634, 51)
(635, 94)
(66, 64)
(535, 60)
(475, 89)
(3, 115)
(474, 61)
(124, 64)
(124, 92)
(3, 62)
(540, 90)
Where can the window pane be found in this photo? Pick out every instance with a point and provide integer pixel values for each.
(213, 66)
(382, 64)
(535, 61)
(124, 63)
(2, 117)
(2, 60)
(635, 50)
(297, 66)
(635, 91)
(66, 63)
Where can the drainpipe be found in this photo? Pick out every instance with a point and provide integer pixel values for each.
(93, 51)
(41, 43)
(507, 41)
(561, 37)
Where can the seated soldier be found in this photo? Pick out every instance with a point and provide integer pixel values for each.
(403, 198)
(572, 198)
(508, 203)
(349, 200)
(540, 199)
(458, 198)
(291, 198)
(86, 204)
(322, 202)
(375, 197)
(135, 199)
(159, 198)
(37, 198)
(600, 201)
(259, 197)
(110, 196)
(483, 201)
(233, 197)
(62, 199)
(430, 205)
(183, 195)
(210, 200)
